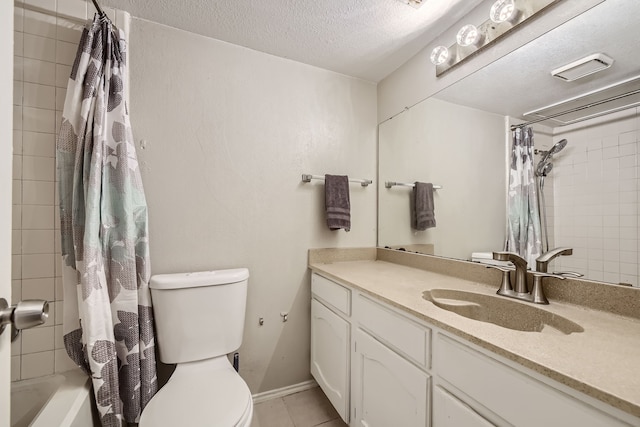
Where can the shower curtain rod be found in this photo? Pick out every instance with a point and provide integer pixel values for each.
(42, 10)
(573, 110)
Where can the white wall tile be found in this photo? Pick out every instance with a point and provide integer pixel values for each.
(38, 168)
(39, 24)
(49, 5)
(18, 14)
(16, 267)
(62, 361)
(75, 8)
(16, 242)
(17, 142)
(61, 93)
(37, 364)
(18, 68)
(16, 291)
(38, 289)
(17, 92)
(59, 312)
(16, 192)
(58, 121)
(16, 346)
(37, 71)
(15, 368)
(38, 47)
(35, 217)
(18, 44)
(58, 286)
(40, 96)
(37, 193)
(17, 167)
(628, 138)
(37, 242)
(38, 120)
(58, 337)
(17, 117)
(62, 73)
(37, 266)
(69, 31)
(16, 217)
(39, 144)
(36, 340)
(65, 52)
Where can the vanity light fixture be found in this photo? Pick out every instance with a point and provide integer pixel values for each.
(468, 36)
(440, 55)
(504, 17)
(502, 11)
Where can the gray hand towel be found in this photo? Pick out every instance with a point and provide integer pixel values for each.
(422, 213)
(336, 201)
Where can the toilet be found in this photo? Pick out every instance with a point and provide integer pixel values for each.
(199, 319)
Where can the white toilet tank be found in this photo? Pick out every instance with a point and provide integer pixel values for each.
(199, 315)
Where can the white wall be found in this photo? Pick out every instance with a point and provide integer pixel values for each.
(415, 80)
(228, 132)
(460, 148)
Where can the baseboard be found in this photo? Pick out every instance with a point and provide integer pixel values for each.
(284, 391)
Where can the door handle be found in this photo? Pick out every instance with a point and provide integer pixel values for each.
(25, 314)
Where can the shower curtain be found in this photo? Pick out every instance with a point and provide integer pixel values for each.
(108, 321)
(523, 230)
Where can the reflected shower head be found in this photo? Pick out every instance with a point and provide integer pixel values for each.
(545, 165)
(558, 146)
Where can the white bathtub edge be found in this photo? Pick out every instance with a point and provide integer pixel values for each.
(63, 407)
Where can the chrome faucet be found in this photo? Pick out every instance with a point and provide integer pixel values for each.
(542, 262)
(521, 291)
(521, 271)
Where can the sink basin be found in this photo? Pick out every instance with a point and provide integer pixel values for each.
(500, 311)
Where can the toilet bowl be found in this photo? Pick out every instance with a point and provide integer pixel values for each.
(199, 320)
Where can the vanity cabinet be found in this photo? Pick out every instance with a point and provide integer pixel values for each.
(331, 341)
(389, 382)
(374, 363)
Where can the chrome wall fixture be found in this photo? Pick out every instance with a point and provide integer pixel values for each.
(504, 17)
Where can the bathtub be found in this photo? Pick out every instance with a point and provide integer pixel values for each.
(63, 400)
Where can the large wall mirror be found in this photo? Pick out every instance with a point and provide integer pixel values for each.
(459, 139)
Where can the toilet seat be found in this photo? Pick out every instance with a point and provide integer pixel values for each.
(203, 393)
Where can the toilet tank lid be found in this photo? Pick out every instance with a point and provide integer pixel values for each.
(198, 279)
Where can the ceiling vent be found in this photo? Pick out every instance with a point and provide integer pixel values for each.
(583, 67)
(607, 100)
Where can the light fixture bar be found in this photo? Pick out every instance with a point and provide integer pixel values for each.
(489, 32)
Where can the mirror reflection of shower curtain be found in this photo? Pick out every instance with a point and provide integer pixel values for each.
(523, 229)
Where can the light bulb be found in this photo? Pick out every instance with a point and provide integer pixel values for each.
(468, 35)
(502, 10)
(439, 55)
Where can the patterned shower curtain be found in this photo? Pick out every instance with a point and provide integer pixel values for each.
(108, 321)
(524, 232)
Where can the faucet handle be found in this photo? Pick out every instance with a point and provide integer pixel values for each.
(537, 293)
(571, 274)
(545, 274)
(505, 286)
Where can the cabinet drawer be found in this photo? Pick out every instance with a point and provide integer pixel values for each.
(451, 412)
(398, 332)
(514, 396)
(335, 295)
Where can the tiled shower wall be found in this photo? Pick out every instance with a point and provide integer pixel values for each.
(47, 33)
(595, 198)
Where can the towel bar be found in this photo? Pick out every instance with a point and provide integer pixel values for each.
(308, 178)
(390, 184)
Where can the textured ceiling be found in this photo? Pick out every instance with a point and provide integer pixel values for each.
(362, 38)
(521, 81)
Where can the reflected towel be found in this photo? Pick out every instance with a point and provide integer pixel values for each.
(422, 213)
(336, 201)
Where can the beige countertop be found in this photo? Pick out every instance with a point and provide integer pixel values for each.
(603, 361)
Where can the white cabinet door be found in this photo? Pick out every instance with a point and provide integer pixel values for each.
(387, 389)
(450, 412)
(330, 345)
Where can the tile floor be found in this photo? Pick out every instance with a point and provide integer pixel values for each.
(309, 408)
